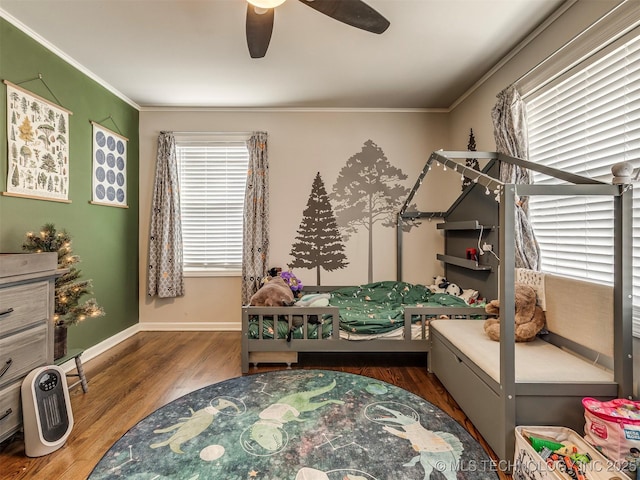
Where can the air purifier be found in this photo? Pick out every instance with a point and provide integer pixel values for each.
(46, 410)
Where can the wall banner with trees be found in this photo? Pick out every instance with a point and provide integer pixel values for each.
(38, 149)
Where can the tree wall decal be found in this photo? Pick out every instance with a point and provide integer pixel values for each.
(367, 191)
(470, 162)
(318, 243)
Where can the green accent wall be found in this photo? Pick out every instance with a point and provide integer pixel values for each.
(105, 238)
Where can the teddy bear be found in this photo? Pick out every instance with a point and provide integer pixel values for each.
(273, 293)
(529, 317)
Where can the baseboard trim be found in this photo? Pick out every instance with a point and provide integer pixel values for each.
(111, 342)
(191, 327)
(102, 347)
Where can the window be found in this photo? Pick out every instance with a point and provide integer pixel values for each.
(213, 174)
(584, 122)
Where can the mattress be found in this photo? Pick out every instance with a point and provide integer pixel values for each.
(398, 334)
(535, 362)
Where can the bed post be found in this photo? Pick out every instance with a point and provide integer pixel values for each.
(245, 341)
(506, 294)
(403, 210)
(623, 291)
(399, 247)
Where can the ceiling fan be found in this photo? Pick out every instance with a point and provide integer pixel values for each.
(260, 15)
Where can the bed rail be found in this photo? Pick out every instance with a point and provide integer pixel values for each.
(274, 341)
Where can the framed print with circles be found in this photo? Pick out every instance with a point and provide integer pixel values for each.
(109, 167)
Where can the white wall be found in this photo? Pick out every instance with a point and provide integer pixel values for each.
(475, 110)
(301, 144)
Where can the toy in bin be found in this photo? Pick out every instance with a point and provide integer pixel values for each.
(563, 457)
(559, 453)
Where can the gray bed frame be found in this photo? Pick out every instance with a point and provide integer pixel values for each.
(334, 343)
(496, 408)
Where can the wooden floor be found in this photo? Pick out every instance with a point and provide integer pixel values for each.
(150, 369)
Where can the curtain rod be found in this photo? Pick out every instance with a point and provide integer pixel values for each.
(208, 133)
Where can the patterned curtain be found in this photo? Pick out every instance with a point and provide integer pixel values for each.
(256, 217)
(511, 136)
(165, 235)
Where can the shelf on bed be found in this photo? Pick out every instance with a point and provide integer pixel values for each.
(463, 225)
(463, 262)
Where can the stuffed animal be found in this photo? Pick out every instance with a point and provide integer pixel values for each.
(290, 279)
(273, 293)
(529, 317)
(314, 300)
(453, 289)
(470, 295)
(439, 284)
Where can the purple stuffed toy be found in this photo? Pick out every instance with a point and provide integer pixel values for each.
(290, 279)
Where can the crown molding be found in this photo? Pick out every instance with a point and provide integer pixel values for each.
(507, 58)
(56, 51)
(171, 108)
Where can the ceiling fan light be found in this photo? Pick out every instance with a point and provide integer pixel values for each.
(266, 3)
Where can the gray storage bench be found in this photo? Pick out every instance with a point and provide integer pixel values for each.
(552, 374)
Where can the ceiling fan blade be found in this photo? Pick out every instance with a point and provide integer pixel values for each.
(352, 12)
(259, 28)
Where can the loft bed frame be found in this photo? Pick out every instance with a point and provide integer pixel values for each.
(507, 394)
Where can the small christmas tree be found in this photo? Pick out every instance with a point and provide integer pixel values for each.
(69, 290)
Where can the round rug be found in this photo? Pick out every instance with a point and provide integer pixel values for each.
(297, 425)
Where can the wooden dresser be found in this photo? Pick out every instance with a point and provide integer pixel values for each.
(27, 285)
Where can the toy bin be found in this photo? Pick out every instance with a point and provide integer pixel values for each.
(559, 453)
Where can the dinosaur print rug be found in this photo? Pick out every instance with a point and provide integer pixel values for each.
(297, 425)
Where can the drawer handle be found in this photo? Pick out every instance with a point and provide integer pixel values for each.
(6, 311)
(6, 414)
(6, 367)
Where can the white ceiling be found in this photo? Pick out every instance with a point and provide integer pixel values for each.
(193, 53)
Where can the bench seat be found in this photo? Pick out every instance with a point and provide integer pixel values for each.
(535, 362)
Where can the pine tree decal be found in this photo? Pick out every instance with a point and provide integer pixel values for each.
(470, 162)
(318, 243)
(368, 192)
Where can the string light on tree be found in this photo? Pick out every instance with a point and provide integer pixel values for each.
(69, 289)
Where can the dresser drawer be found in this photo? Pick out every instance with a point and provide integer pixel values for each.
(10, 409)
(22, 352)
(30, 304)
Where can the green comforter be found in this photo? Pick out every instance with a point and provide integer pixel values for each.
(373, 308)
(379, 307)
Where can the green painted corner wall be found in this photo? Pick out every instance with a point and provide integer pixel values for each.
(105, 238)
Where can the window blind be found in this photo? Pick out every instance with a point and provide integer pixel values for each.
(213, 177)
(584, 123)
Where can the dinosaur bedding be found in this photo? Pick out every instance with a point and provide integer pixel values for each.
(367, 311)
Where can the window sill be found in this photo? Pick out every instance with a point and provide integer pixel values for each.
(212, 273)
